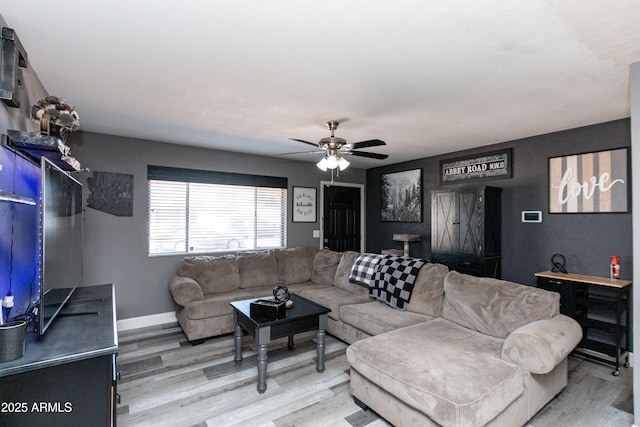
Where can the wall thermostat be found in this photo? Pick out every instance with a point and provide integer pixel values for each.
(531, 216)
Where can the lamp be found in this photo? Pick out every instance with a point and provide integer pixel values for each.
(343, 163)
(406, 238)
(322, 164)
(332, 161)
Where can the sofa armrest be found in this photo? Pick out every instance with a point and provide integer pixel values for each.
(539, 346)
(185, 290)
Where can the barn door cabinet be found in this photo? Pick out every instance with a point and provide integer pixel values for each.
(466, 229)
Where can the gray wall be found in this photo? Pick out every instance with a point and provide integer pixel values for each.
(30, 93)
(116, 247)
(635, 138)
(586, 240)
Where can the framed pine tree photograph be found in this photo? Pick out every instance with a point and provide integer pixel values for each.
(401, 196)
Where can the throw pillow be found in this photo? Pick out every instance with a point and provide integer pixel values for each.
(495, 307)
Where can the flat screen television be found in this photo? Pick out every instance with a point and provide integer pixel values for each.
(61, 241)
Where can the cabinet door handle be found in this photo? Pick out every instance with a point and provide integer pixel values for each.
(555, 282)
(118, 399)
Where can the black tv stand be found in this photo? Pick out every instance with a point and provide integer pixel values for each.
(84, 301)
(80, 313)
(73, 365)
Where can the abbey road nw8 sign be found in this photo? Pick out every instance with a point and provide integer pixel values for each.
(493, 165)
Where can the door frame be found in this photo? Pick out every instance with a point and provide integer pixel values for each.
(362, 209)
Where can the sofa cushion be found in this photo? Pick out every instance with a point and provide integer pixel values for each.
(541, 345)
(428, 290)
(215, 305)
(293, 288)
(325, 263)
(375, 317)
(299, 288)
(333, 298)
(213, 274)
(452, 374)
(294, 265)
(257, 269)
(343, 271)
(185, 290)
(495, 307)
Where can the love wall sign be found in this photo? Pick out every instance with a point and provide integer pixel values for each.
(589, 183)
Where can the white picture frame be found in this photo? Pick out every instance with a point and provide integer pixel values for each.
(304, 202)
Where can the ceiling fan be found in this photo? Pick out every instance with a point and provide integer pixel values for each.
(334, 148)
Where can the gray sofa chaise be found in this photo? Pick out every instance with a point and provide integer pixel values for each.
(467, 351)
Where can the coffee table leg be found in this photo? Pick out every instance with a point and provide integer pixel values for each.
(290, 342)
(320, 342)
(263, 337)
(262, 368)
(237, 337)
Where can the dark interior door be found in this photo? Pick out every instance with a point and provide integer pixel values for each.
(341, 218)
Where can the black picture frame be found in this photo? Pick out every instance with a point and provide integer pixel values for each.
(401, 196)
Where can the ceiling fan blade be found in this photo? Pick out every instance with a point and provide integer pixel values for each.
(367, 154)
(302, 152)
(304, 142)
(365, 144)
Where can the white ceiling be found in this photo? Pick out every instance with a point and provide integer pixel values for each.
(427, 77)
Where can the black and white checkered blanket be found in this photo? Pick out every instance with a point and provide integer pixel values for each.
(364, 268)
(393, 280)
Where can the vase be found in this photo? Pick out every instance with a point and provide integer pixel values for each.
(48, 128)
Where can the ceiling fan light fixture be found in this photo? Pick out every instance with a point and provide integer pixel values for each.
(322, 164)
(332, 161)
(343, 163)
(333, 148)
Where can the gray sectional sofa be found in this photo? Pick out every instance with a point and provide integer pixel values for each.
(467, 351)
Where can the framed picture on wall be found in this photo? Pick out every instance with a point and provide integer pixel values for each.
(401, 196)
(304, 204)
(596, 182)
(480, 167)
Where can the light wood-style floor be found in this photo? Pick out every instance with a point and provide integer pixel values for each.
(167, 382)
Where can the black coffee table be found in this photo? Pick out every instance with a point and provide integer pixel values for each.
(303, 316)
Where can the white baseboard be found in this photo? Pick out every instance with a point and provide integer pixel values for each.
(145, 321)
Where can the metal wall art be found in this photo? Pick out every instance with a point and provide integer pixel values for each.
(111, 193)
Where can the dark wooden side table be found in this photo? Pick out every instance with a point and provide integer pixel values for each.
(602, 307)
(303, 316)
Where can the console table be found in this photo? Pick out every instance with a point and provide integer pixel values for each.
(602, 306)
(67, 376)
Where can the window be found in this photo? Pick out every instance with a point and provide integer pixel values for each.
(194, 211)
